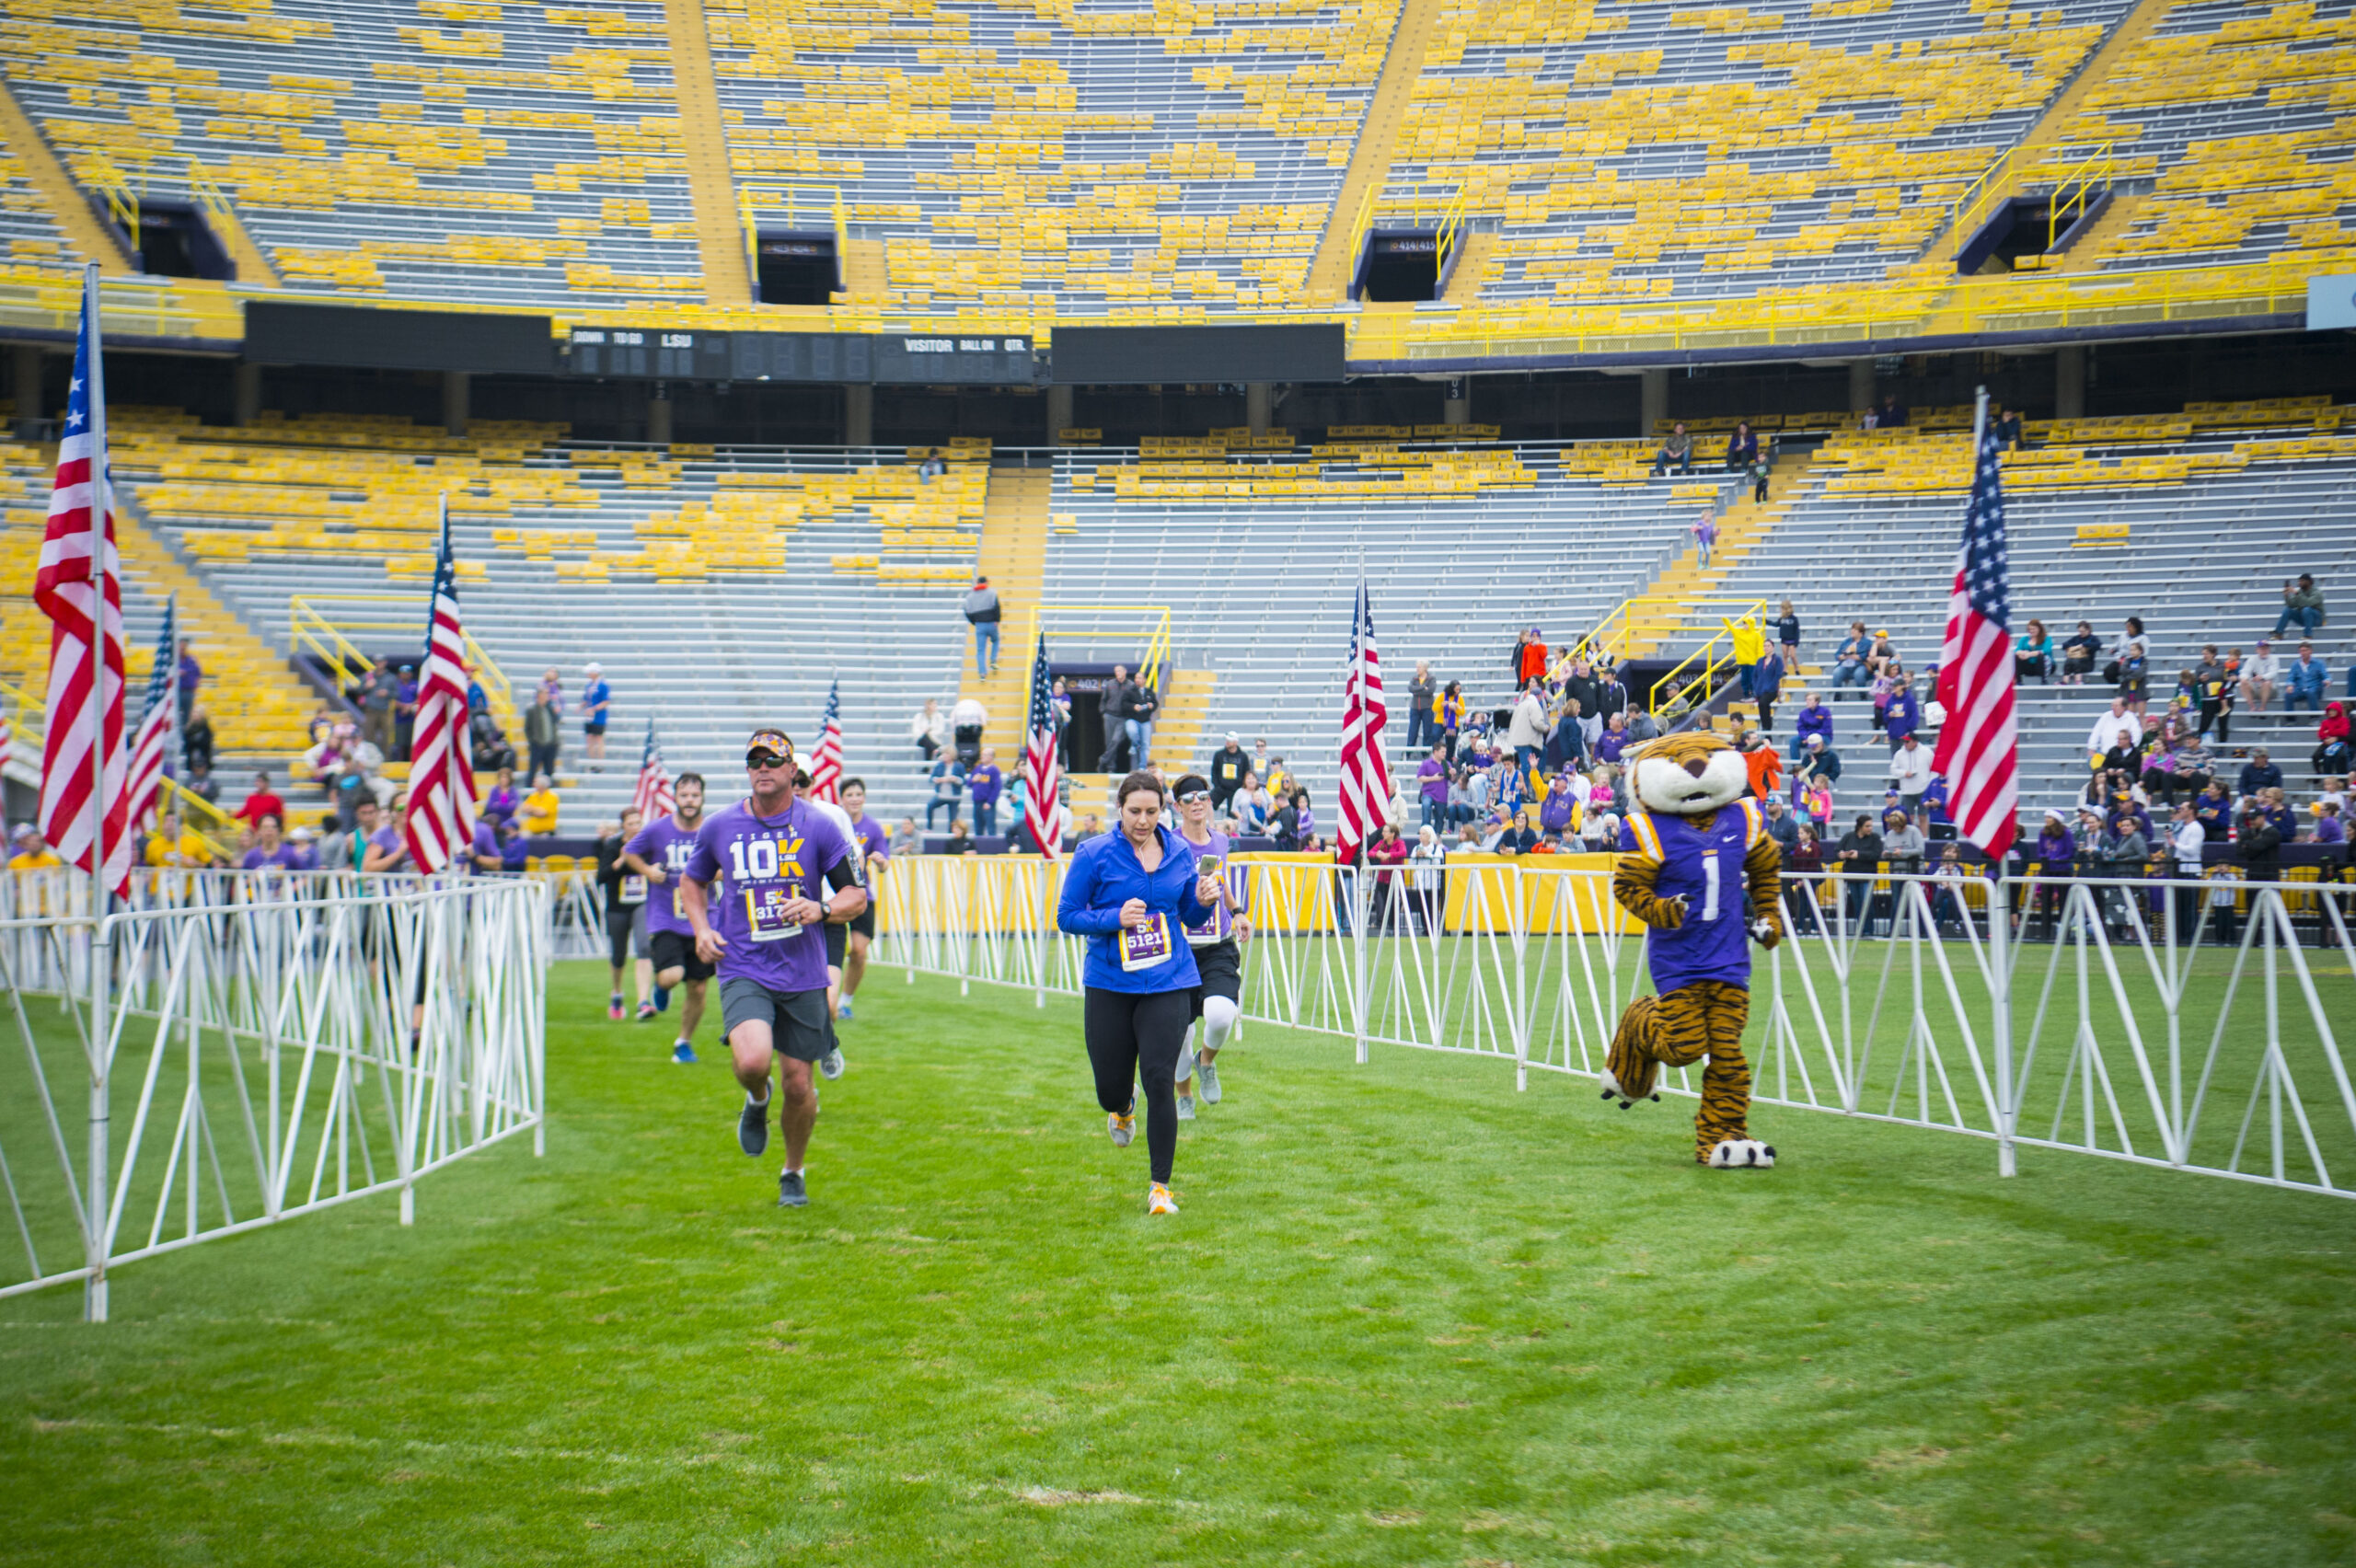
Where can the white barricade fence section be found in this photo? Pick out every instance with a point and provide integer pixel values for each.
(2190, 1023)
(233, 1049)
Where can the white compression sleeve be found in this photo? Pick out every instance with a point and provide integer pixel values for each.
(1218, 1021)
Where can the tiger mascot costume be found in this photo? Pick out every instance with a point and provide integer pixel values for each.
(1691, 820)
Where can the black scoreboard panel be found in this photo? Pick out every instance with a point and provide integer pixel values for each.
(1136, 356)
(640, 351)
(952, 359)
(801, 356)
(281, 333)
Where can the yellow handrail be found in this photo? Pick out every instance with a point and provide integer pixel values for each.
(1705, 677)
(310, 629)
(1158, 640)
(1996, 182)
(797, 198)
(1359, 224)
(1616, 631)
(2085, 175)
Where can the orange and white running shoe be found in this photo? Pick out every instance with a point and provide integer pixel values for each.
(1158, 1201)
(1121, 1129)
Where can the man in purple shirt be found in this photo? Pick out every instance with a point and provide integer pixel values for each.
(875, 848)
(1431, 788)
(986, 782)
(789, 868)
(660, 853)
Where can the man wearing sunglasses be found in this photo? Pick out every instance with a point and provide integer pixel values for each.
(787, 867)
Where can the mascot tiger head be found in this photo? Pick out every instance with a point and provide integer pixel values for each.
(1690, 773)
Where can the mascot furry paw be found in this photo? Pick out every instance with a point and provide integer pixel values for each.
(1699, 869)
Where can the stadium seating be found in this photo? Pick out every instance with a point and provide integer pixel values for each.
(2191, 523)
(2238, 118)
(494, 156)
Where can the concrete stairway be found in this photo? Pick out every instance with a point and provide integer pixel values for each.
(1013, 556)
(1744, 524)
(68, 204)
(1329, 273)
(704, 136)
(259, 708)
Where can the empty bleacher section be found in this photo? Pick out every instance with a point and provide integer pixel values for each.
(718, 589)
(1154, 160)
(1650, 153)
(421, 149)
(2191, 522)
(2238, 116)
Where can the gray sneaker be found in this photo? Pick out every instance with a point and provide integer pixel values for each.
(1208, 1073)
(752, 1127)
(1186, 1107)
(831, 1064)
(791, 1191)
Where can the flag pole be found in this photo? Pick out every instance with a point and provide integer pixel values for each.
(94, 1290)
(1358, 900)
(2000, 965)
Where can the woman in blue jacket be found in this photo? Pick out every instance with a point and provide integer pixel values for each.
(1131, 893)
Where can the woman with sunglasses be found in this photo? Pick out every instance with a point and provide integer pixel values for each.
(788, 868)
(1131, 893)
(1219, 961)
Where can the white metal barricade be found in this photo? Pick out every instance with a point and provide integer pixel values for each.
(2174, 1022)
(243, 1048)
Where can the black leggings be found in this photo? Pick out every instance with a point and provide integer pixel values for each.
(1134, 1037)
(618, 921)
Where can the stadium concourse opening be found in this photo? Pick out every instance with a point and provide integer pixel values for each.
(797, 268)
(1402, 266)
(172, 239)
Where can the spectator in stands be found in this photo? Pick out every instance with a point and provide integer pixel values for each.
(2213, 809)
(1890, 415)
(1451, 712)
(503, 801)
(374, 694)
(2261, 677)
(967, 720)
(1613, 744)
(932, 469)
(2329, 828)
(985, 783)
(2258, 773)
(1677, 452)
(1706, 536)
(1904, 843)
(2129, 667)
(2079, 653)
(2259, 845)
(1910, 771)
(982, 611)
(1524, 664)
(1527, 734)
(2304, 680)
(1113, 704)
(1286, 825)
(536, 816)
(1781, 825)
(2033, 653)
(1766, 686)
(1815, 718)
(930, 729)
(1431, 788)
(1858, 856)
(2195, 765)
(2006, 423)
(2123, 756)
(2302, 607)
(2332, 742)
(2105, 733)
(1145, 705)
(488, 742)
(1819, 764)
(173, 844)
(1642, 725)
(1579, 687)
(187, 674)
(1229, 764)
(1903, 715)
(543, 737)
(1787, 636)
(260, 801)
(31, 852)
(1881, 653)
(478, 700)
(196, 738)
(1848, 666)
(1253, 806)
(948, 781)
(201, 783)
(903, 837)
(960, 841)
(2212, 689)
(1742, 448)
(1762, 762)
(596, 709)
(1423, 725)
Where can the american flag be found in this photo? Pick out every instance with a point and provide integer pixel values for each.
(1365, 777)
(653, 801)
(145, 784)
(1043, 806)
(1978, 749)
(440, 825)
(85, 631)
(827, 761)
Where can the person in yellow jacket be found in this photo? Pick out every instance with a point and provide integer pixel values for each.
(173, 845)
(536, 816)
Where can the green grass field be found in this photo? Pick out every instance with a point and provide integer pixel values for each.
(1406, 1317)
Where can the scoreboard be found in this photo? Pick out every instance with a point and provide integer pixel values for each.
(905, 360)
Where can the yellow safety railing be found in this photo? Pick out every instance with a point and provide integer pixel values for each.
(1695, 677)
(1360, 226)
(2101, 164)
(1448, 199)
(1649, 615)
(1157, 639)
(803, 206)
(1972, 209)
(310, 629)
